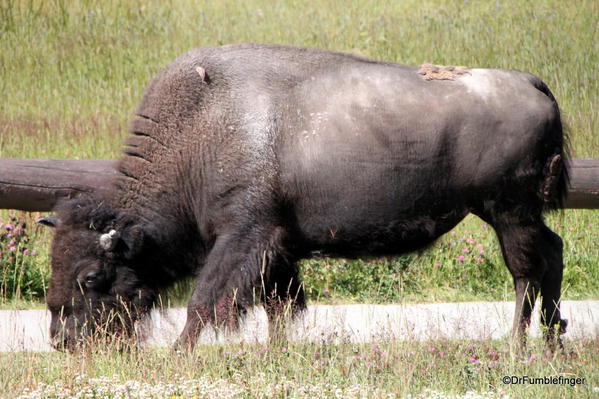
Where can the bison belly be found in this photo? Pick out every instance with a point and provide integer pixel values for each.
(378, 160)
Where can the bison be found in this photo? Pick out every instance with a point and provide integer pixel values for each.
(244, 159)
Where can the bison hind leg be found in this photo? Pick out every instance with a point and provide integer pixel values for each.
(533, 255)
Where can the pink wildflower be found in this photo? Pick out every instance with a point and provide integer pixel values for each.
(532, 357)
(13, 249)
(437, 265)
(474, 360)
(8, 227)
(482, 252)
(284, 350)
(460, 259)
(26, 252)
(479, 260)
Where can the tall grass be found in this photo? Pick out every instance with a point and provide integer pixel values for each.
(71, 74)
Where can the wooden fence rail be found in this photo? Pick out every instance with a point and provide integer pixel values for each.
(37, 184)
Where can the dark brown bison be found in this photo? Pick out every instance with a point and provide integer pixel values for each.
(246, 158)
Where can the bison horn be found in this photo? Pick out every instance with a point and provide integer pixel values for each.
(51, 221)
(109, 240)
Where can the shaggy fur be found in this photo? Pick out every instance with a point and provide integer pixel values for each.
(244, 159)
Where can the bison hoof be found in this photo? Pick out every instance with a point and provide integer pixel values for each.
(563, 324)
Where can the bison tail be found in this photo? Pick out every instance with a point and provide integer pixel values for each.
(554, 189)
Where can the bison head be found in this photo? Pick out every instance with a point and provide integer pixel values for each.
(97, 284)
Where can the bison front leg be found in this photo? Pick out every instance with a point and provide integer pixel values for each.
(240, 270)
(283, 298)
(221, 292)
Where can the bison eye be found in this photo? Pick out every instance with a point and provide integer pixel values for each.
(90, 279)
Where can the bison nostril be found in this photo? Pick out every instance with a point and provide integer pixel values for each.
(90, 279)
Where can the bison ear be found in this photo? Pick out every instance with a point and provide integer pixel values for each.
(51, 221)
(133, 238)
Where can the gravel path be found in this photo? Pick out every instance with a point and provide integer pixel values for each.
(28, 329)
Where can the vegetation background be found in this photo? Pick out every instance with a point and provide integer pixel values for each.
(71, 74)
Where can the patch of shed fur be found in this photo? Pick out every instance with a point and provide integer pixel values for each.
(441, 72)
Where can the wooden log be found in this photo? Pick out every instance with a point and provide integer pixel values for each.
(584, 184)
(37, 184)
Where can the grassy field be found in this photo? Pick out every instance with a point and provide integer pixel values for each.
(433, 370)
(71, 74)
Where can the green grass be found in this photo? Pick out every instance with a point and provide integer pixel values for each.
(71, 74)
(435, 275)
(391, 369)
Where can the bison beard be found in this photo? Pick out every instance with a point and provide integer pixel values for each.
(245, 159)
